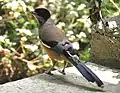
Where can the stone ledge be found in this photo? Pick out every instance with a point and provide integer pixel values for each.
(69, 83)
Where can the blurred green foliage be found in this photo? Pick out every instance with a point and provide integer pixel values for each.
(21, 53)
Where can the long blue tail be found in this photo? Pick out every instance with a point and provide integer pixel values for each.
(83, 69)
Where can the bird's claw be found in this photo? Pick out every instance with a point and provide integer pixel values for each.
(62, 72)
(49, 73)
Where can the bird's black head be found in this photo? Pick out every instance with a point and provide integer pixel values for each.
(42, 15)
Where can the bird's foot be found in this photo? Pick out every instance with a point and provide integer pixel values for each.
(49, 73)
(62, 72)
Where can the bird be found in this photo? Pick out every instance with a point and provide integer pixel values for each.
(59, 47)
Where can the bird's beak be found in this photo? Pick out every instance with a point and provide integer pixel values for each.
(32, 12)
(37, 17)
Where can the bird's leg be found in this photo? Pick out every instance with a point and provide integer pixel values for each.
(63, 70)
(51, 68)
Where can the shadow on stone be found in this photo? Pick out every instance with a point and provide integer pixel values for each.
(69, 81)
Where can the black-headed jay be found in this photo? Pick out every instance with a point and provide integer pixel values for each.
(58, 47)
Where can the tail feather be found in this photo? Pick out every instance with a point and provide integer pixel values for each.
(83, 69)
(88, 74)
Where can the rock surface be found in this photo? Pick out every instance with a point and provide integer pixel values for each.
(105, 43)
(72, 82)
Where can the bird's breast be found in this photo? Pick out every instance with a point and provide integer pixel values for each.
(53, 55)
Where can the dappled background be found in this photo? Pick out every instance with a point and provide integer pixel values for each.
(21, 54)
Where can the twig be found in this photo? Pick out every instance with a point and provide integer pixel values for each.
(115, 5)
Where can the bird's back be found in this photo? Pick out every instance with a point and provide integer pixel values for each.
(49, 32)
